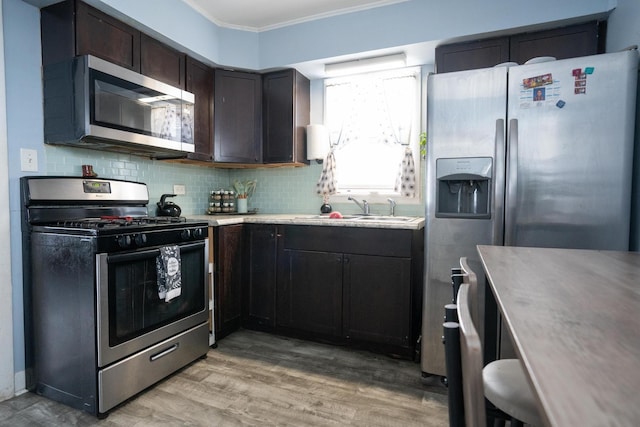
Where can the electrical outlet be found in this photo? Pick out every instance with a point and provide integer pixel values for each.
(179, 189)
(28, 160)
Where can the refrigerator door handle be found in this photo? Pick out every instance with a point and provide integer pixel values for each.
(498, 184)
(512, 184)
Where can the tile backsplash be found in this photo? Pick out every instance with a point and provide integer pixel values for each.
(279, 190)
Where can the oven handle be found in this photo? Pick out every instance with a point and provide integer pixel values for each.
(163, 353)
(141, 254)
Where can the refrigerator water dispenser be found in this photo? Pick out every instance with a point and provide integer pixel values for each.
(464, 187)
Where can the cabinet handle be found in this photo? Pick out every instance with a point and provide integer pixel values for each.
(346, 260)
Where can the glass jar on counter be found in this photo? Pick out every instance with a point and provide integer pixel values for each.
(216, 196)
(222, 201)
(214, 208)
(228, 207)
(228, 196)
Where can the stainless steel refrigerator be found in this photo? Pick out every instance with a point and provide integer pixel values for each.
(530, 155)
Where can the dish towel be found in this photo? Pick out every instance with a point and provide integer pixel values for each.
(326, 185)
(169, 276)
(406, 181)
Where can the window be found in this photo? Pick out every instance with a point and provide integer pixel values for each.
(373, 119)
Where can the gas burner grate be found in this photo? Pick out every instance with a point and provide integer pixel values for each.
(117, 221)
(165, 219)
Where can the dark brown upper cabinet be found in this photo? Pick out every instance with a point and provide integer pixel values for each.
(561, 43)
(160, 62)
(260, 119)
(472, 55)
(237, 117)
(229, 112)
(200, 83)
(285, 116)
(71, 28)
(565, 42)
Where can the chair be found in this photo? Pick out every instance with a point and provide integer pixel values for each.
(502, 382)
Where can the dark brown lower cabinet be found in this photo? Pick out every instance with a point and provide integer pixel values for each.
(351, 286)
(227, 279)
(364, 298)
(348, 286)
(259, 293)
(377, 299)
(310, 292)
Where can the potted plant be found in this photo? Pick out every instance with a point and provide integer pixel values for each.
(244, 189)
(423, 144)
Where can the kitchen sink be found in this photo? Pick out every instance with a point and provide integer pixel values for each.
(360, 217)
(327, 217)
(385, 218)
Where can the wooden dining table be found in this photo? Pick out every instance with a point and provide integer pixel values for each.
(574, 317)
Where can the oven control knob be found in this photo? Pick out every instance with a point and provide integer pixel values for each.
(140, 239)
(198, 233)
(185, 234)
(124, 241)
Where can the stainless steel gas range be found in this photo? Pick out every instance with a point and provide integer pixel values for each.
(115, 300)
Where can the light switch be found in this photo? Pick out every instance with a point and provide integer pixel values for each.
(179, 189)
(28, 160)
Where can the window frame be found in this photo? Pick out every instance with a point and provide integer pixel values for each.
(373, 196)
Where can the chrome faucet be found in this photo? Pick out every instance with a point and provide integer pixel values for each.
(392, 206)
(364, 206)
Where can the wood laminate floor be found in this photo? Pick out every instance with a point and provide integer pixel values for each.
(257, 379)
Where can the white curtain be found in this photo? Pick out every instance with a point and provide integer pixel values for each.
(406, 181)
(371, 109)
(326, 185)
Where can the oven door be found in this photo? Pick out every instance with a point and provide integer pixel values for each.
(131, 314)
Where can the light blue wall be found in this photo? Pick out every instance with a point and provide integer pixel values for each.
(411, 22)
(24, 130)
(279, 190)
(177, 23)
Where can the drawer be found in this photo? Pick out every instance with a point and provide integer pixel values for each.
(130, 376)
(356, 240)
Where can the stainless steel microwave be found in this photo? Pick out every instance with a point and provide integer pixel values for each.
(92, 103)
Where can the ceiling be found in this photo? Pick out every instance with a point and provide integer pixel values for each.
(261, 15)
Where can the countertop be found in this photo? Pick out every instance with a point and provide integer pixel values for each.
(573, 316)
(410, 223)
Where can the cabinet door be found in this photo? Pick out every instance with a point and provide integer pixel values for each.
(472, 55)
(285, 116)
(200, 83)
(377, 299)
(103, 36)
(228, 279)
(310, 292)
(160, 62)
(566, 42)
(259, 299)
(237, 112)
